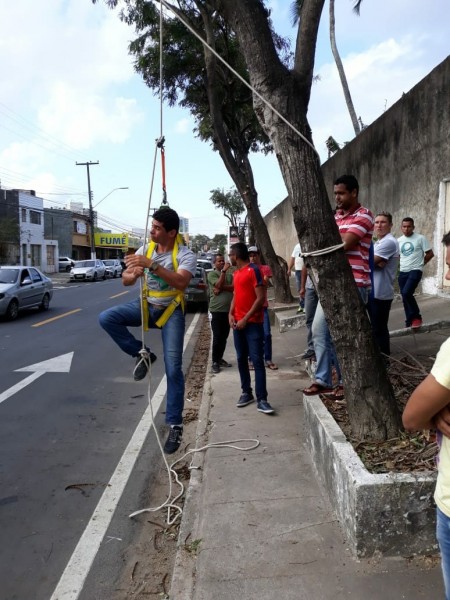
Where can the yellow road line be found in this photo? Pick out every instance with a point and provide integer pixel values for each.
(121, 294)
(56, 318)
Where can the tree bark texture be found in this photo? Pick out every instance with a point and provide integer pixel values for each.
(370, 400)
(235, 158)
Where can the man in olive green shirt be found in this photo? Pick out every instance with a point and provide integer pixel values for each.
(220, 282)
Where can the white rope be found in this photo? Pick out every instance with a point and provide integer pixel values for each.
(328, 250)
(236, 74)
(170, 503)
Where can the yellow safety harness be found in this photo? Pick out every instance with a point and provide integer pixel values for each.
(178, 296)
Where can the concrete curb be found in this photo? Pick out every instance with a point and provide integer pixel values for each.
(183, 575)
(391, 513)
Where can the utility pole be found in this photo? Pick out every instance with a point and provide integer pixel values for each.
(91, 211)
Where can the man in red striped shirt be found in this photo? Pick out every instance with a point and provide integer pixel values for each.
(356, 228)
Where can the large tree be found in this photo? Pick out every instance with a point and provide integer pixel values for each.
(221, 105)
(370, 400)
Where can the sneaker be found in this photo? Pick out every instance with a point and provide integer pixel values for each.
(300, 310)
(416, 323)
(142, 364)
(174, 439)
(215, 367)
(224, 363)
(245, 399)
(307, 354)
(264, 407)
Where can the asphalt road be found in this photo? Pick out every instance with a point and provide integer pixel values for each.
(62, 435)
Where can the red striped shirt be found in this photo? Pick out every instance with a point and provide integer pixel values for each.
(359, 222)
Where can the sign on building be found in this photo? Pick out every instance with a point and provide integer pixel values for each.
(111, 240)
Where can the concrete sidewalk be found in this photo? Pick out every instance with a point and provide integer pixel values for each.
(257, 524)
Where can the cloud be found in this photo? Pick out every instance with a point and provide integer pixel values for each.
(183, 126)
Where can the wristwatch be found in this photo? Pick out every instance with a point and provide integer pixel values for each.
(224, 270)
(154, 266)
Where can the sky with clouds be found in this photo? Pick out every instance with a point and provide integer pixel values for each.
(69, 94)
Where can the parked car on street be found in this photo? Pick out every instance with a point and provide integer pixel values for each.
(205, 264)
(113, 267)
(196, 293)
(88, 270)
(23, 287)
(65, 263)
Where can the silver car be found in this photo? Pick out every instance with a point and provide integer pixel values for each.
(23, 287)
(88, 270)
(113, 267)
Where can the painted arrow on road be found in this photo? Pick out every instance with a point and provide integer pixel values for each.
(59, 364)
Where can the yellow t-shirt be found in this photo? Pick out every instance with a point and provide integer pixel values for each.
(441, 372)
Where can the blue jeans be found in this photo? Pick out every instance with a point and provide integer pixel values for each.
(249, 342)
(443, 538)
(267, 336)
(324, 347)
(311, 301)
(116, 320)
(408, 283)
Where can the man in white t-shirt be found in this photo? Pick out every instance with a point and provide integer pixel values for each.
(386, 257)
(296, 262)
(415, 253)
(428, 408)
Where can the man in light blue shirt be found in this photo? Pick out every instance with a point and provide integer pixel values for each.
(386, 257)
(415, 253)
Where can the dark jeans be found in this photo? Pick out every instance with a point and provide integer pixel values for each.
(220, 327)
(267, 336)
(249, 342)
(408, 283)
(379, 317)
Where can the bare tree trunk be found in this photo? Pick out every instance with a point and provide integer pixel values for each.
(340, 68)
(371, 404)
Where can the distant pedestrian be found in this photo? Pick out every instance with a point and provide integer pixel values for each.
(311, 300)
(246, 320)
(415, 253)
(266, 273)
(220, 282)
(386, 258)
(296, 263)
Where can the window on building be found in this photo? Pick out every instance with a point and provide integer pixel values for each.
(35, 217)
(24, 215)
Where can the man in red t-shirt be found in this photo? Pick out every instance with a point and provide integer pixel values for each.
(246, 319)
(266, 273)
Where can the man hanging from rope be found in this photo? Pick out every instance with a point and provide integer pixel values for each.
(168, 267)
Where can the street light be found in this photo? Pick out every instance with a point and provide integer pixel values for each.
(104, 198)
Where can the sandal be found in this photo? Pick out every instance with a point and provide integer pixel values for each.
(271, 365)
(315, 388)
(336, 394)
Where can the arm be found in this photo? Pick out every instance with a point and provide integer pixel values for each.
(220, 284)
(303, 279)
(380, 262)
(256, 306)
(427, 400)
(177, 279)
(290, 265)
(350, 240)
(428, 256)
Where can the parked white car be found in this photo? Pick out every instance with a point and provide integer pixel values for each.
(113, 267)
(88, 270)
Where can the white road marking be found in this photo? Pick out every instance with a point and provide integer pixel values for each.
(58, 364)
(72, 580)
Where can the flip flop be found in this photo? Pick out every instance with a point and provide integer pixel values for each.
(314, 389)
(271, 365)
(336, 394)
